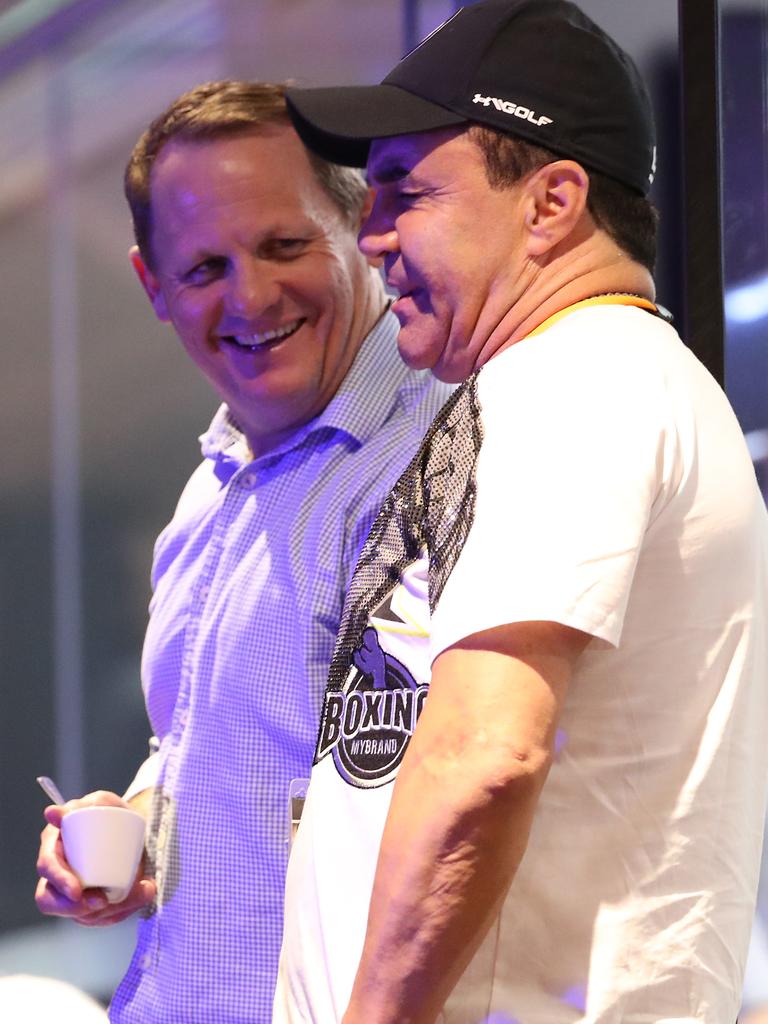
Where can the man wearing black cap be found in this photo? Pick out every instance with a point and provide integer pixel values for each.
(539, 778)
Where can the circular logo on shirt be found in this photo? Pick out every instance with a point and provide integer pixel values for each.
(368, 724)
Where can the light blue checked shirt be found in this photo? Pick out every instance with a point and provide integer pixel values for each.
(249, 581)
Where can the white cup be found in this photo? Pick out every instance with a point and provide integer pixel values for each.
(103, 846)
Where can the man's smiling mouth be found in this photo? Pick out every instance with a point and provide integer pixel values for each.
(253, 342)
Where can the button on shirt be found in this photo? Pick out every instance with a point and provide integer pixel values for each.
(249, 580)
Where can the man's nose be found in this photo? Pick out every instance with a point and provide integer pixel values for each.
(252, 290)
(377, 236)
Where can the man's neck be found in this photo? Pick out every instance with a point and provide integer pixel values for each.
(634, 280)
(564, 281)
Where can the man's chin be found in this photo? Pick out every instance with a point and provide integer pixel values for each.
(421, 356)
(415, 350)
(414, 360)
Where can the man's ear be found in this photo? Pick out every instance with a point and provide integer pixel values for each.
(372, 261)
(556, 202)
(150, 284)
(367, 206)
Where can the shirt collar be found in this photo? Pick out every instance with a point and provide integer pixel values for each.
(224, 439)
(358, 408)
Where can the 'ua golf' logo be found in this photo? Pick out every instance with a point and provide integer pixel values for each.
(367, 724)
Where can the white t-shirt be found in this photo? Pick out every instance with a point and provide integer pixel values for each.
(593, 475)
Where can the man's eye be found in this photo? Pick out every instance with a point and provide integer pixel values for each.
(205, 271)
(285, 248)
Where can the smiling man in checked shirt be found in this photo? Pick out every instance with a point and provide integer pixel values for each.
(247, 246)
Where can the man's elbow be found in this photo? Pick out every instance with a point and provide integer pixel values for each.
(517, 771)
(499, 770)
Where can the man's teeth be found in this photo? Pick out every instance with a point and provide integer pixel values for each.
(254, 340)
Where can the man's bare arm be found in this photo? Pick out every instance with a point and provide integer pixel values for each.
(460, 815)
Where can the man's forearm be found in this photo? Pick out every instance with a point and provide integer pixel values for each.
(449, 852)
(457, 828)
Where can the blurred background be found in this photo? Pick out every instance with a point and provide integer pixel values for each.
(100, 407)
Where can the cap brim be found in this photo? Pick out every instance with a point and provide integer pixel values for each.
(340, 123)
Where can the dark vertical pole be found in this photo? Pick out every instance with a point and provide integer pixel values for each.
(410, 24)
(700, 77)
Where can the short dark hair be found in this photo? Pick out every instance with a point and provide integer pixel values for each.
(217, 110)
(629, 218)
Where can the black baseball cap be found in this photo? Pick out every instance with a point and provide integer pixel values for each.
(538, 69)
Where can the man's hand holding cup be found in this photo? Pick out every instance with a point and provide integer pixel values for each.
(91, 861)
